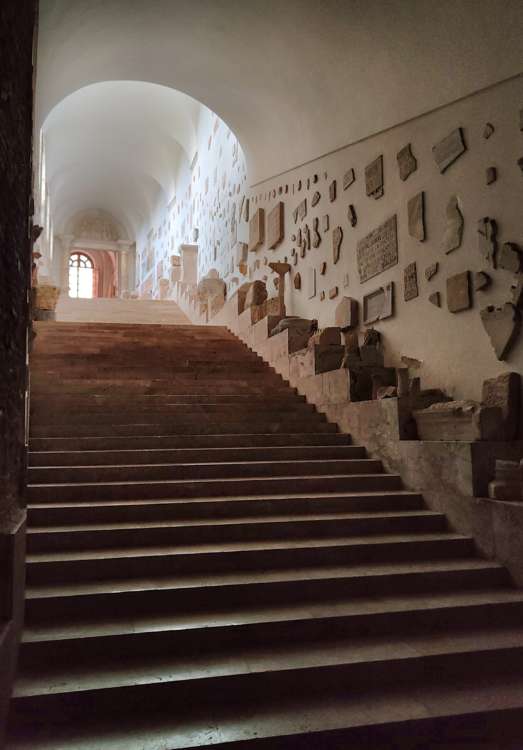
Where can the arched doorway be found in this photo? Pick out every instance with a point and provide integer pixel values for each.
(81, 276)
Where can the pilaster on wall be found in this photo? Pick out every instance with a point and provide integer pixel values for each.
(17, 24)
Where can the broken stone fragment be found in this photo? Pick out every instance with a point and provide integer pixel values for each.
(316, 236)
(406, 162)
(330, 336)
(453, 235)
(481, 281)
(488, 130)
(510, 257)
(491, 175)
(323, 268)
(297, 281)
(487, 231)
(332, 191)
(449, 149)
(502, 325)
(316, 198)
(431, 270)
(459, 420)
(351, 213)
(458, 292)
(325, 223)
(386, 391)
(333, 292)
(337, 237)
(435, 299)
(506, 484)
(516, 290)
(348, 178)
(416, 216)
(347, 313)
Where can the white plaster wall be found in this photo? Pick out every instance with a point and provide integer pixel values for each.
(454, 348)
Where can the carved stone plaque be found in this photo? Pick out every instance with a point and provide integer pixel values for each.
(316, 198)
(325, 223)
(431, 270)
(502, 325)
(378, 305)
(406, 162)
(416, 212)
(410, 282)
(487, 232)
(257, 230)
(458, 292)
(316, 236)
(332, 191)
(337, 237)
(378, 250)
(311, 283)
(449, 149)
(374, 178)
(275, 230)
(348, 178)
(300, 212)
(454, 228)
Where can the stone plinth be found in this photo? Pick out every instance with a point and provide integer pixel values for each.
(459, 420)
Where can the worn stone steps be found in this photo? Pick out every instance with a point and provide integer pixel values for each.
(136, 457)
(211, 563)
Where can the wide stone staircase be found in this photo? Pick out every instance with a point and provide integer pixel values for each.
(210, 562)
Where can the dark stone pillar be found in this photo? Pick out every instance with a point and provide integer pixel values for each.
(17, 31)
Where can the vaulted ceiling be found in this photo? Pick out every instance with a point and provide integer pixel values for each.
(292, 78)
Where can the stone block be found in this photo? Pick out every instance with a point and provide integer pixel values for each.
(346, 313)
(330, 336)
(504, 392)
(256, 294)
(458, 292)
(459, 420)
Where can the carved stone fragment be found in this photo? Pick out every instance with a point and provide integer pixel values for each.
(491, 175)
(333, 292)
(337, 237)
(316, 236)
(488, 130)
(378, 250)
(351, 215)
(256, 294)
(454, 229)
(406, 162)
(459, 420)
(322, 295)
(311, 283)
(481, 281)
(502, 325)
(295, 259)
(307, 237)
(301, 210)
(410, 282)
(449, 149)
(348, 178)
(435, 299)
(431, 270)
(297, 281)
(516, 290)
(374, 178)
(345, 280)
(325, 223)
(487, 232)
(332, 191)
(510, 257)
(346, 314)
(504, 392)
(275, 230)
(458, 292)
(416, 213)
(315, 198)
(378, 305)
(323, 268)
(257, 230)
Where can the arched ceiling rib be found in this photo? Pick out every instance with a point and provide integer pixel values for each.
(292, 79)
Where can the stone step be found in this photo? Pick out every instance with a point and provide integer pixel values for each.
(151, 401)
(234, 424)
(148, 442)
(457, 709)
(138, 457)
(121, 563)
(201, 470)
(211, 488)
(402, 614)
(212, 594)
(215, 508)
(264, 528)
(179, 413)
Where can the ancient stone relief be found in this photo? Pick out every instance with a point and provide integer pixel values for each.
(491, 175)
(300, 212)
(458, 292)
(407, 162)
(307, 237)
(297, 281)
(510, 258)
(351, 215)
(275, 228)
(410, 282)
(346, 314)
(332, 191)
(449, 149)
(257, 230)
(378, 305)
(487, 232)
(315, 198)
(481, 281)
(316, 236)
(502, 325)
(416, 214)
(311, 283)
(374, 178)
(325, 223)
(323, 268)
(435, 299)
(431, 271)
(337, 237)
(378, 250)
(348, 178)
(453, 235)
